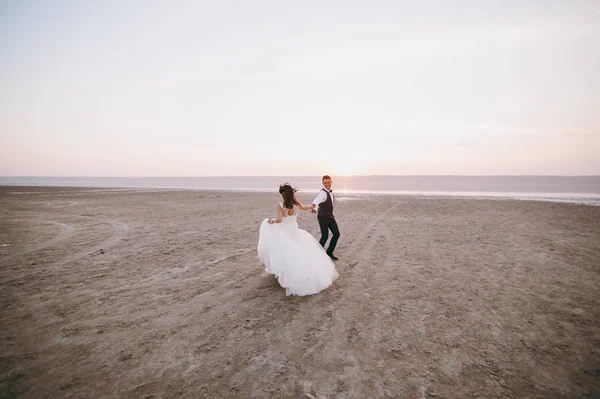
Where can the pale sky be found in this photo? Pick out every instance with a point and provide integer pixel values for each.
(288, 88)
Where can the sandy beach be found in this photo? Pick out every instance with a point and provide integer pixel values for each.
(159, 294)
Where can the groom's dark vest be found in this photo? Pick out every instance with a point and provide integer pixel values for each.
(326, 208)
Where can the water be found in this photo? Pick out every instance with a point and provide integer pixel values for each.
(578, 189)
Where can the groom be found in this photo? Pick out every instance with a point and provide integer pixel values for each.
(323, 207)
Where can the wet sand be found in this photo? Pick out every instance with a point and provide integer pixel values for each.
(159, 294)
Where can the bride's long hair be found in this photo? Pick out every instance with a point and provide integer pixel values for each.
(287, 192)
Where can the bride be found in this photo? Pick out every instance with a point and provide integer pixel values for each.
(291, 254)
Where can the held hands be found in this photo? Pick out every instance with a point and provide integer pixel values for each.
(313, 210)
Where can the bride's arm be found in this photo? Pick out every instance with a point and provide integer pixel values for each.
(304, 207)
(279, 216)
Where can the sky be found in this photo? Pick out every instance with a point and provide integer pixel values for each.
(299, 88)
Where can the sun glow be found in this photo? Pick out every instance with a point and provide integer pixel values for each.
(344, 164)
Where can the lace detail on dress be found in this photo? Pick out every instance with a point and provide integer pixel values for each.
(285, 210)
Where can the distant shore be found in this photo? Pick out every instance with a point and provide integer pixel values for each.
(582, 185)
(585, 198)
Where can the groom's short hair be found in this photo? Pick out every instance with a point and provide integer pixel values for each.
(326, 177)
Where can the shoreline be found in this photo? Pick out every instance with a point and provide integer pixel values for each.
(588, 199)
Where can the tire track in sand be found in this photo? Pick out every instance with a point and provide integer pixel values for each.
(358, 243)
(312, 326)
(338, 311)
(65, 233)
(119, 232)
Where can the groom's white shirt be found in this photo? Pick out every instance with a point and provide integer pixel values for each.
(322, 197)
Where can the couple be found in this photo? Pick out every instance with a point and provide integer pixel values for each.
(299, 262)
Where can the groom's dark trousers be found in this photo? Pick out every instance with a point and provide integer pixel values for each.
(327, 224)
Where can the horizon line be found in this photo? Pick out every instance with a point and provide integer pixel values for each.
(289, 176)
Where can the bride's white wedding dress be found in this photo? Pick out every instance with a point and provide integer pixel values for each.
(294, 256)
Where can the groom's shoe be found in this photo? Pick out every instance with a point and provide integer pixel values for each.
(332, 256)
